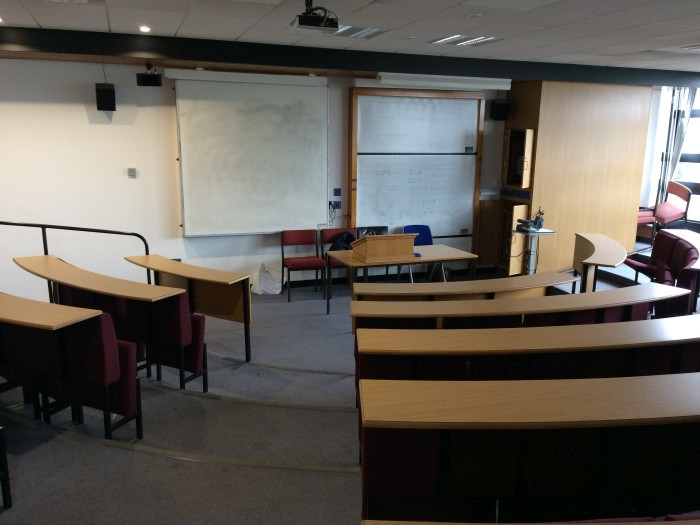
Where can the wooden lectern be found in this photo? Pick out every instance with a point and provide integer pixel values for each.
(384, 248)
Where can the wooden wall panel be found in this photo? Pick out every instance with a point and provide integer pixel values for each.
(591, 142)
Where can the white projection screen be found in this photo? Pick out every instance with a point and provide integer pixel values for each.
(253, 155)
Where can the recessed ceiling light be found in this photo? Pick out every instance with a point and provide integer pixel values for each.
(145, 29)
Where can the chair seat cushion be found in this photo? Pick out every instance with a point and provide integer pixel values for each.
(667, 212)
(645, 217)
(302, 263)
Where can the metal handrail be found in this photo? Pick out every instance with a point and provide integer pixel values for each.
(44, 238)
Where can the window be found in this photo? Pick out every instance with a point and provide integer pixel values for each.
(688, 168)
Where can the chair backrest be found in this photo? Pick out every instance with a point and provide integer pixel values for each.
(425, 237)
(92, 354)
(680, 191)
(299, 238)
(331, 235)
(662, 249)
(674, 270)
(684, 255)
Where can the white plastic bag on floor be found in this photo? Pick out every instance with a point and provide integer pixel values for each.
(266, 281)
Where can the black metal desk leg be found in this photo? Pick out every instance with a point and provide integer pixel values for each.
(4, 473)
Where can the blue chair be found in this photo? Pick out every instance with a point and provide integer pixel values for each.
(424, 238)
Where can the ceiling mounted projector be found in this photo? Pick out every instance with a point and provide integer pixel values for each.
(149, 78)
(314, 21)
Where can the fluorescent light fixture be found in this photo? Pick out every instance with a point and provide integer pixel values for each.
(358, 32)
(444, 82)
(463, 40)
(477, 41)
(447, 39)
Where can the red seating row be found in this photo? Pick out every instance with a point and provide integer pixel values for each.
(80, 365)
(166, 333)
(671, 262)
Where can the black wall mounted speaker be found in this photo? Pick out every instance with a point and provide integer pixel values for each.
(499, 109)
(104, 95)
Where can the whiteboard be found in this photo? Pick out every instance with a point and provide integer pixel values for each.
(416, 189)
(417, 162)
(416, 125)
(253, 156)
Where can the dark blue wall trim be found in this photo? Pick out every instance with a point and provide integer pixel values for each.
(17, 42)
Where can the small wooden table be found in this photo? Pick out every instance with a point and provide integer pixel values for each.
(534, 285)
(592, 250)
(216, 293)
(434, 253)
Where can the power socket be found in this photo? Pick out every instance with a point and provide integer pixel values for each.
(335, 205)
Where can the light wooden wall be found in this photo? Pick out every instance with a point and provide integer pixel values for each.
(590, 149)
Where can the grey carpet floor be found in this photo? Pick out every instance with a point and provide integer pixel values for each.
(274, 441)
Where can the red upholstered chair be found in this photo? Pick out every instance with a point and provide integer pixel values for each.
(678, 271)
(298, 262)
(130, 318)
(674, 208)
(661, 249)
(102, 373)
(178, 340)
(80, 365)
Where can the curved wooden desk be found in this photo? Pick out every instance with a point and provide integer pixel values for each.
(54, 269)
(384, 314)
(563, 403)
(40, 315)
(534, 285)
(592, 250)
(139, 327)
(216, 293)
(625, 446)
(656, 346)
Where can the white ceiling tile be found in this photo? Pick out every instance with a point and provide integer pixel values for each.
(595, 32)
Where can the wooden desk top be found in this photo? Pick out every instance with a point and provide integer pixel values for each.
(162, 264)
(647, 292)
(429, 253)
(538, 339)
(54, 269)
(519, 282)
(532, 404)
(603, 251)
(391, 522)
(38, 314)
